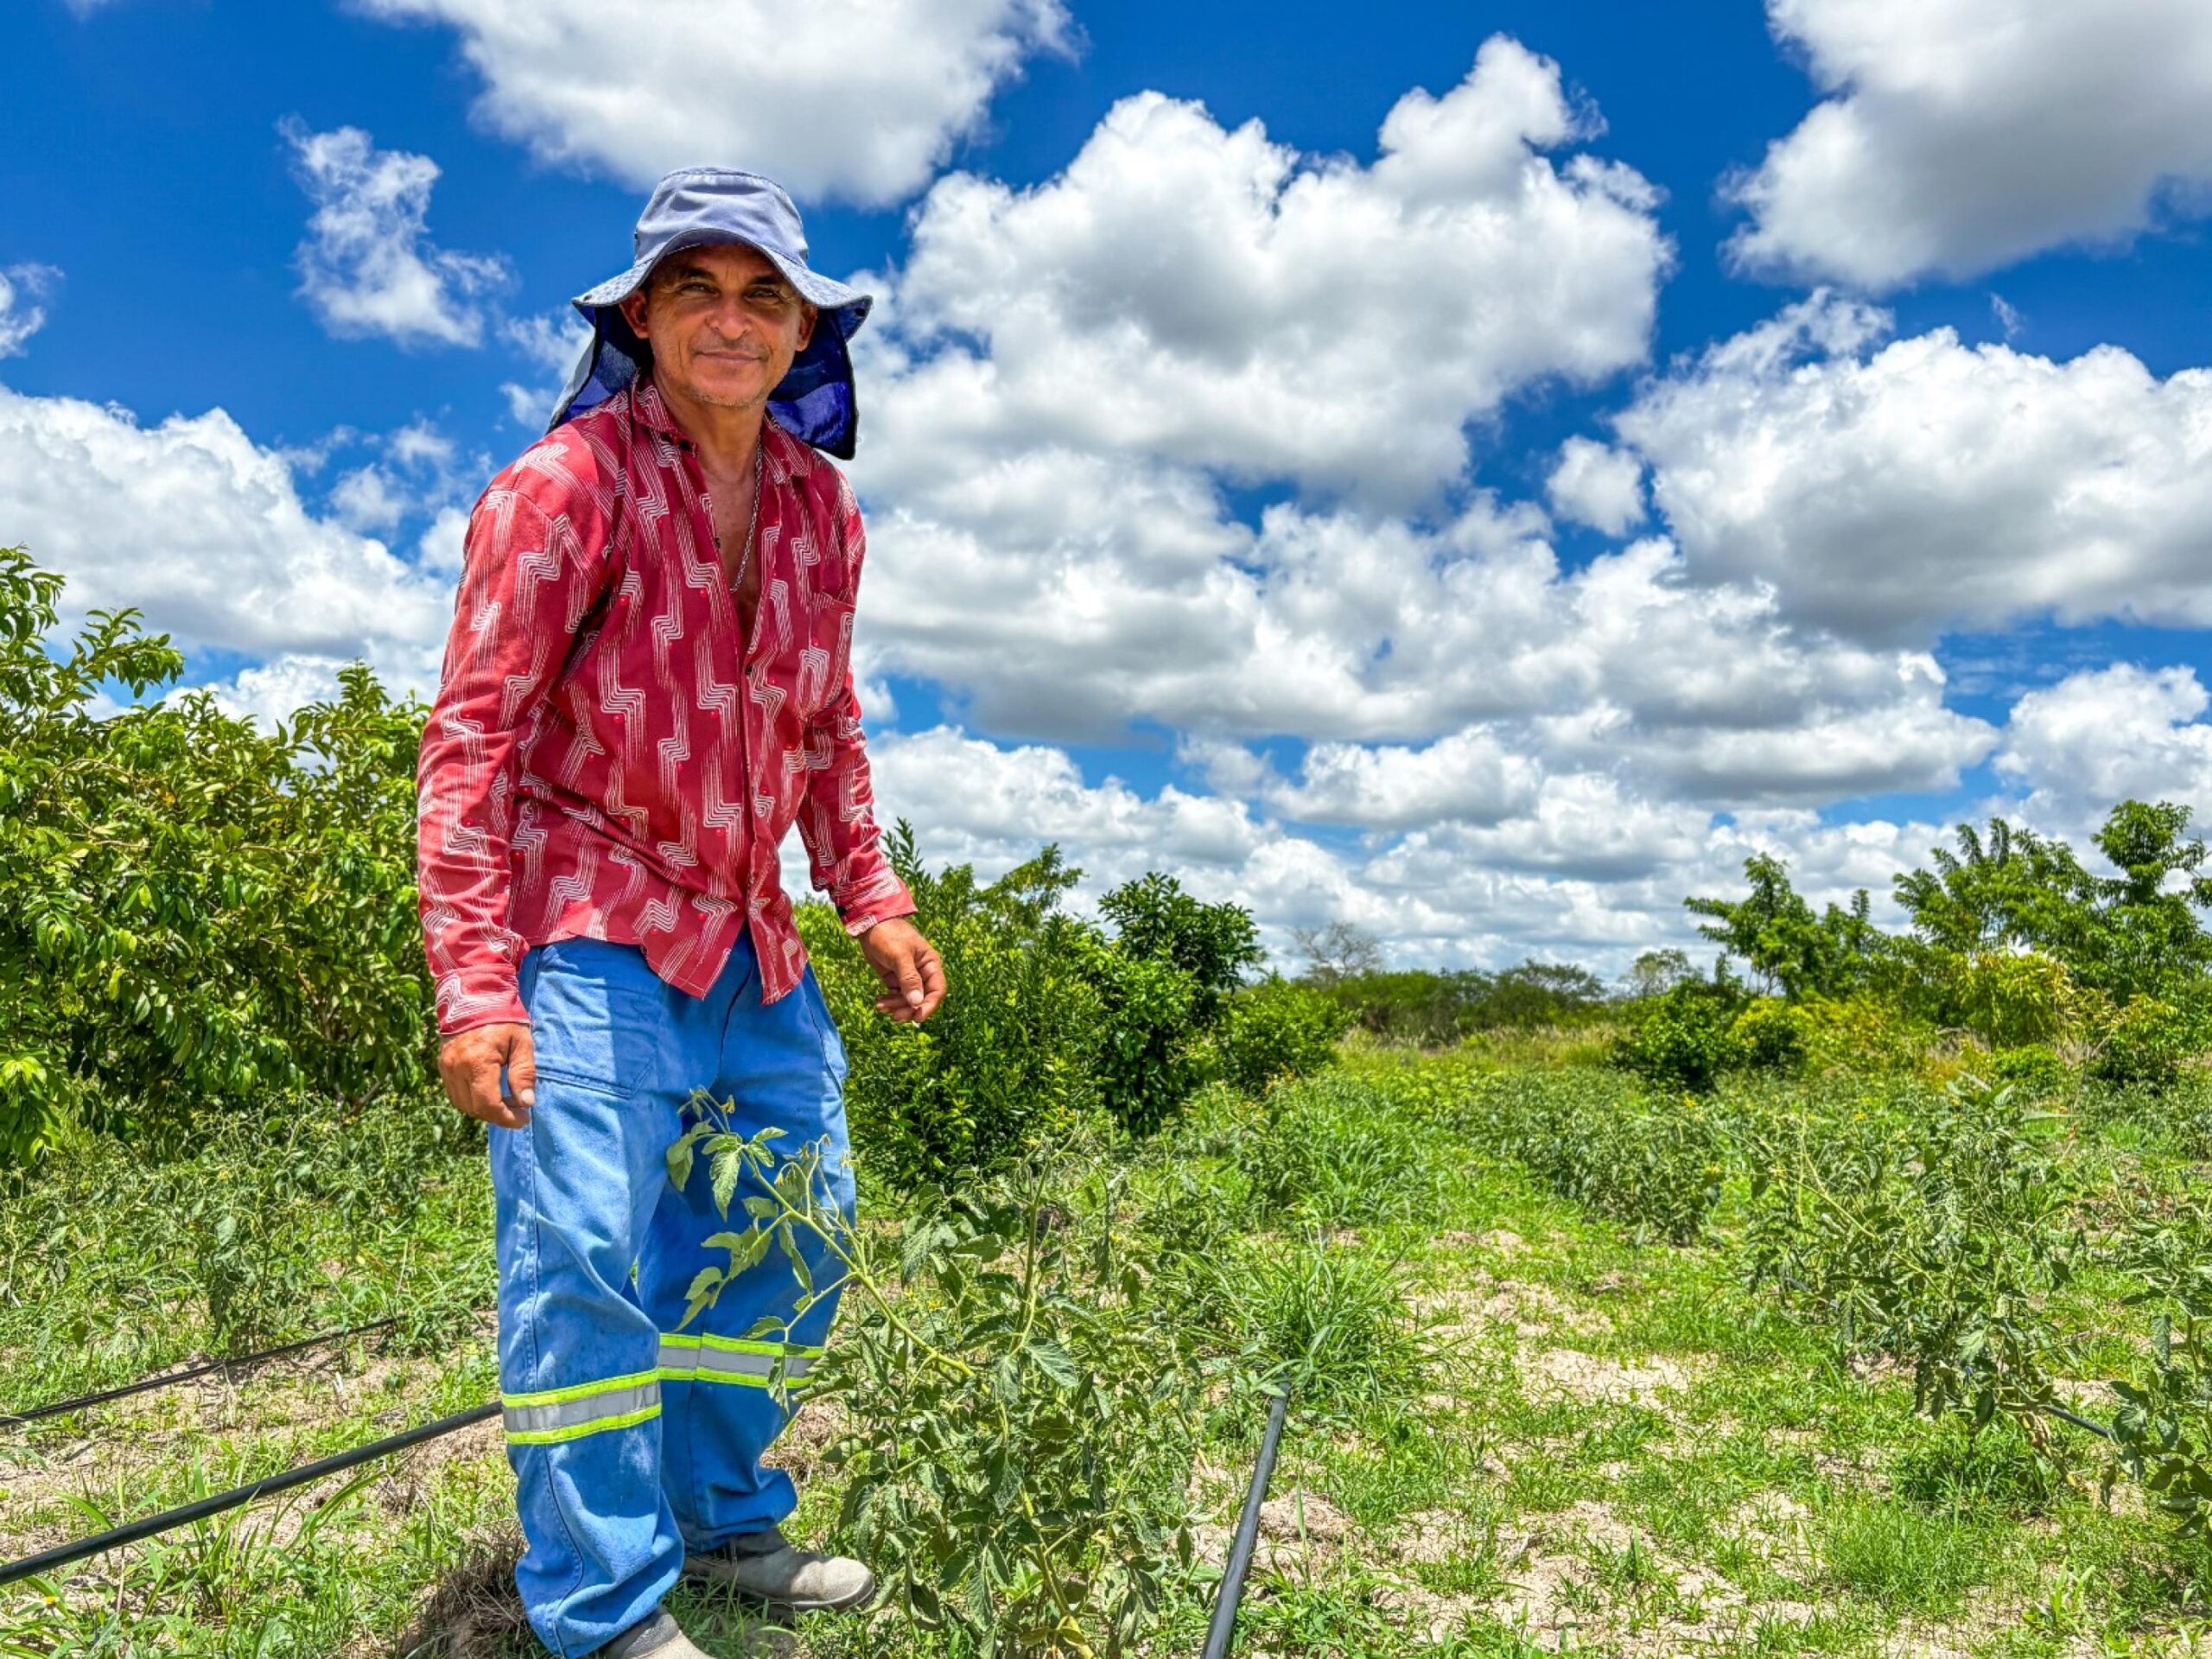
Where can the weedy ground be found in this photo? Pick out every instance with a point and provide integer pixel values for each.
(1521, 1427)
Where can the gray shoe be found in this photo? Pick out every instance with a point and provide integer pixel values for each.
(768, 1568)
(655, 1637)
(660, 1637)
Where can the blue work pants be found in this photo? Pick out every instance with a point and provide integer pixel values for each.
(633, 1440)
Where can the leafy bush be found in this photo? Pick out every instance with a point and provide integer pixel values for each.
(2011, 998)
(2163, 1431)
(1155, 920)
(1021, 1426)
(1863, 1034)
(1163, 981)
(1150, 1052)
(1771, 1035)
(198, 913)
(1277, 1029)
(1009, 1061)
(1432, 1010)
(2034, 1069)
(1930, 1229)
(1656, 1163)
(1686, 1038)
(2145, 1042)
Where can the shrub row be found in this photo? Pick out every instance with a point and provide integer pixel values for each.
(1055, 1018)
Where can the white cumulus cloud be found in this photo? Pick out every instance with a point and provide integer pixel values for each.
(23, 289)
(205, 532)
(860, 102)
(1208, 297)
(1956, 136)
(2104, 735)
(1891, 493)
(1597, 485)
(368, 265)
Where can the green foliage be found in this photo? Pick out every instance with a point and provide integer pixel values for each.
(1330, 1151)
(275, 1226)
(1008, 1062)
(1772, 1036)
(2009, 997)
(2145, 1042)
(1020, 1420)
(1277, 1029)
(1654, 1163)
(2163, 1431)
(1776, 933)
(1163, 981)
(1155, 920)
(1151, 1056)
(1686, 1038)
(1655, 973)
(198, 913)
(2035, 1069)
(1930, 1229)
(2012, 890)
(1434, 1010)
(1330, 1322)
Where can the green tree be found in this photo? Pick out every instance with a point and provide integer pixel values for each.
(1779, 938)
(1655, 973)
(1163, 980)
(2133, 934)
(1008, 1063)
(201, 914)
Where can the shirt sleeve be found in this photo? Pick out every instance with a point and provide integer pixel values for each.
(527, 582)
(843, 841)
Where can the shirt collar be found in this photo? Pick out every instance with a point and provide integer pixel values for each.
(651, 409)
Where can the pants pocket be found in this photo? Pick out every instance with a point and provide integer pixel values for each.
(833, 1044)
(592, 1022)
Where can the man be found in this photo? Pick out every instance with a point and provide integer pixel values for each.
(646, 684)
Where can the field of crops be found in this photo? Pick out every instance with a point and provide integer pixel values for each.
(1849, 1307)
(1576, 1365)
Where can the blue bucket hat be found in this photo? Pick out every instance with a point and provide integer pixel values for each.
(701, 204)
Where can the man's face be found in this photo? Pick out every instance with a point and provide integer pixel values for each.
(723, 324)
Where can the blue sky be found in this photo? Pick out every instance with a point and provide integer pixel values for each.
(1221, 515)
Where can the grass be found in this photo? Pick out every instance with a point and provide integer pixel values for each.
(1523, 1425)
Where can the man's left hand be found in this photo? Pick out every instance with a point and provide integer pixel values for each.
(907, 964)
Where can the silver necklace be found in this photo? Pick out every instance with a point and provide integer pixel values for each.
(752, 525)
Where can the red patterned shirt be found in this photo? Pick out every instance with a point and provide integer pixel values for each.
(597, 763)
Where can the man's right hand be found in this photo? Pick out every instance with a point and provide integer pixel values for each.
(470, 1061)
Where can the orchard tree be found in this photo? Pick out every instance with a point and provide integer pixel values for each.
(200, 915)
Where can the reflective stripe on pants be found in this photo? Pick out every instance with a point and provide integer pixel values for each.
(732, 1359)
(588, 1408)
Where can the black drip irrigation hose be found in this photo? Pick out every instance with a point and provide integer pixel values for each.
(1223, 1630)
(64, 1555)
(61, 1407)
(2090, 1424)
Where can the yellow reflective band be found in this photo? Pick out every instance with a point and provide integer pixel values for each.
(738, 1360)
(554, 1415)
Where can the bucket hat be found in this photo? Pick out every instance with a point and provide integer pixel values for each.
(700, 205)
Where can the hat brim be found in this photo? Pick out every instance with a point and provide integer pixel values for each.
(823, 293)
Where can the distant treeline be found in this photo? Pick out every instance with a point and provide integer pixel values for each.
(1435, 1009)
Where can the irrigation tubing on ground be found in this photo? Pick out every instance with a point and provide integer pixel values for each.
(115, 1538)
(60, 1407)
(1223, 1628)
(2093, 1427)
